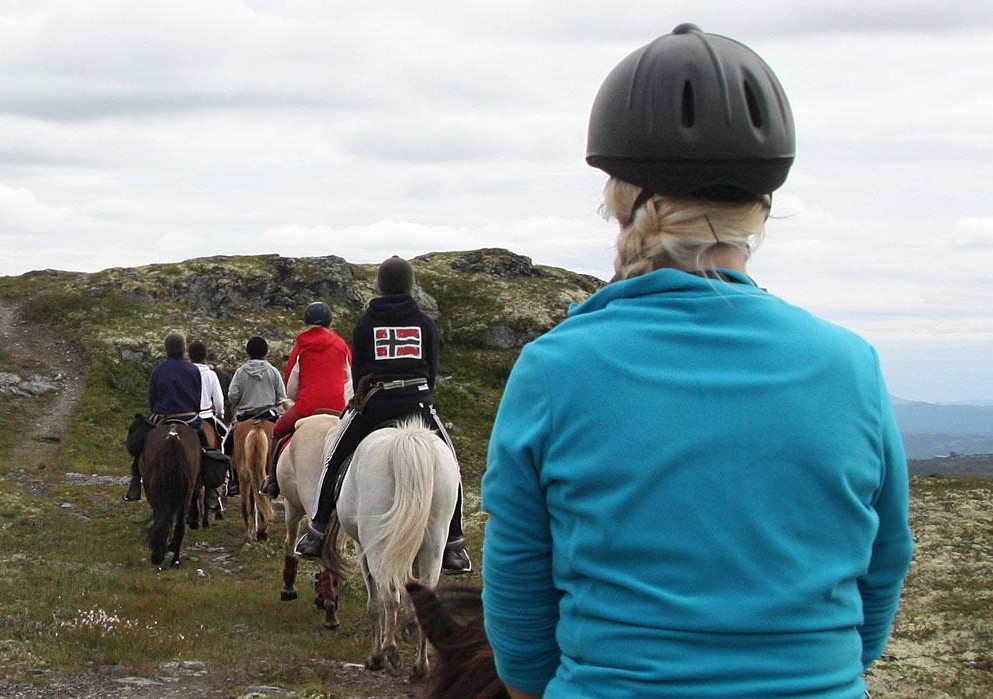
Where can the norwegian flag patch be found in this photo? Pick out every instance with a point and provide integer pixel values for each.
(398, 343)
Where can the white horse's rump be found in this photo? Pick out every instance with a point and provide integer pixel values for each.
(396, 503)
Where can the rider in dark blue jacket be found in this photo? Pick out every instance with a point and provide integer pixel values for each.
(173, 394)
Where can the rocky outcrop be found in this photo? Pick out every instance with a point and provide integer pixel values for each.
(490, 298)
(496, 262)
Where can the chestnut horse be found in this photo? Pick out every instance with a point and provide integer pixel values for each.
(170, 470)
(298, 471)
(251, 448)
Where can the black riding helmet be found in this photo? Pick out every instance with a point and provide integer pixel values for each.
(693, 113)
(317, 313)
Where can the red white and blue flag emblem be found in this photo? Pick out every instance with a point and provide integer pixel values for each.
(398, 343)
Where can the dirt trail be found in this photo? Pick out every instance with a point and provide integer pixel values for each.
(37, 350)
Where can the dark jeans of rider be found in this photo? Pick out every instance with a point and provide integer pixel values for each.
(381, 408)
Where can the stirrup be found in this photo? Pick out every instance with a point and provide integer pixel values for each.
(310, 544)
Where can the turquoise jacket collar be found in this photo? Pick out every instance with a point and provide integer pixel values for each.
(666, 279)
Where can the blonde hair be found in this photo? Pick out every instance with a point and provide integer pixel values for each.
(679, 230)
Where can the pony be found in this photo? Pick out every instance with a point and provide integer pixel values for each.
(251, 449)
(452, 619)
(170, 470)
(298, 471)
(397, 499)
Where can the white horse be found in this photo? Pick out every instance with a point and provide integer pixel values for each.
(298, 471)
(396, 502)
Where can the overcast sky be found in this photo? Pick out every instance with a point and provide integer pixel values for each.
(140, 132)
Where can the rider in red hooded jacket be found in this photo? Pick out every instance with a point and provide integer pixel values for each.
(318, 376)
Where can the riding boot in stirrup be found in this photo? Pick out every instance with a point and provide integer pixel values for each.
(455, 560)
(270, 487)
(311, 544)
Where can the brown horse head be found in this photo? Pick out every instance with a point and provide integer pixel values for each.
(452, 619)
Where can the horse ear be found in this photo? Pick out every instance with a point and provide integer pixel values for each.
(439, 626)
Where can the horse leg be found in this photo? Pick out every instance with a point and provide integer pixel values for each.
(428, 564)
(266, 514)
(390, 609)
(376, 613)
(204, 506)
(326, 596)
(264, 511)
(293, 516)
(177, 536)
(248, 505)
(193, 515)
(157, 535)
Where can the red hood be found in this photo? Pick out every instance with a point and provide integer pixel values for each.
(316, 339)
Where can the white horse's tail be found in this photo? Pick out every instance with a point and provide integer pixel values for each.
(412, 458)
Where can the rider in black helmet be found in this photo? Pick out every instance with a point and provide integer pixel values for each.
(395, 351)
(741, 496)
(693, 113)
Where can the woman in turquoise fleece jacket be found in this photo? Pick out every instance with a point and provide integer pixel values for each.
(694, 488)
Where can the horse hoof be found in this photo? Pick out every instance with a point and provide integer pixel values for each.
(288, 595)
(262, 536)
(394, 662)
(418, 674)
(331, 615)
(374, 664)
(157, 559)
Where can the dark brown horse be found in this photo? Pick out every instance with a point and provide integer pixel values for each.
(170, 469)
(452, 619)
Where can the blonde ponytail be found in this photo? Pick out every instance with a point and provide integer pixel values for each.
(679, 230)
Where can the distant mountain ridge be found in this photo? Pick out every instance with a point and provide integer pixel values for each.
(934, 429)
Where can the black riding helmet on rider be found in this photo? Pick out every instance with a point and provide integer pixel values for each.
(317, 313)
(693, 113)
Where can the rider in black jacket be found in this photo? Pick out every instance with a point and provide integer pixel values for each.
(394, 344)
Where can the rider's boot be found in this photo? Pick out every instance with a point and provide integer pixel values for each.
(455, 560)
(133, 493)
(233, 489)
(271, 486)
(311, 544)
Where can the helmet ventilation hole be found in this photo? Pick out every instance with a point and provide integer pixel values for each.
(689, 112)
(754, 113)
